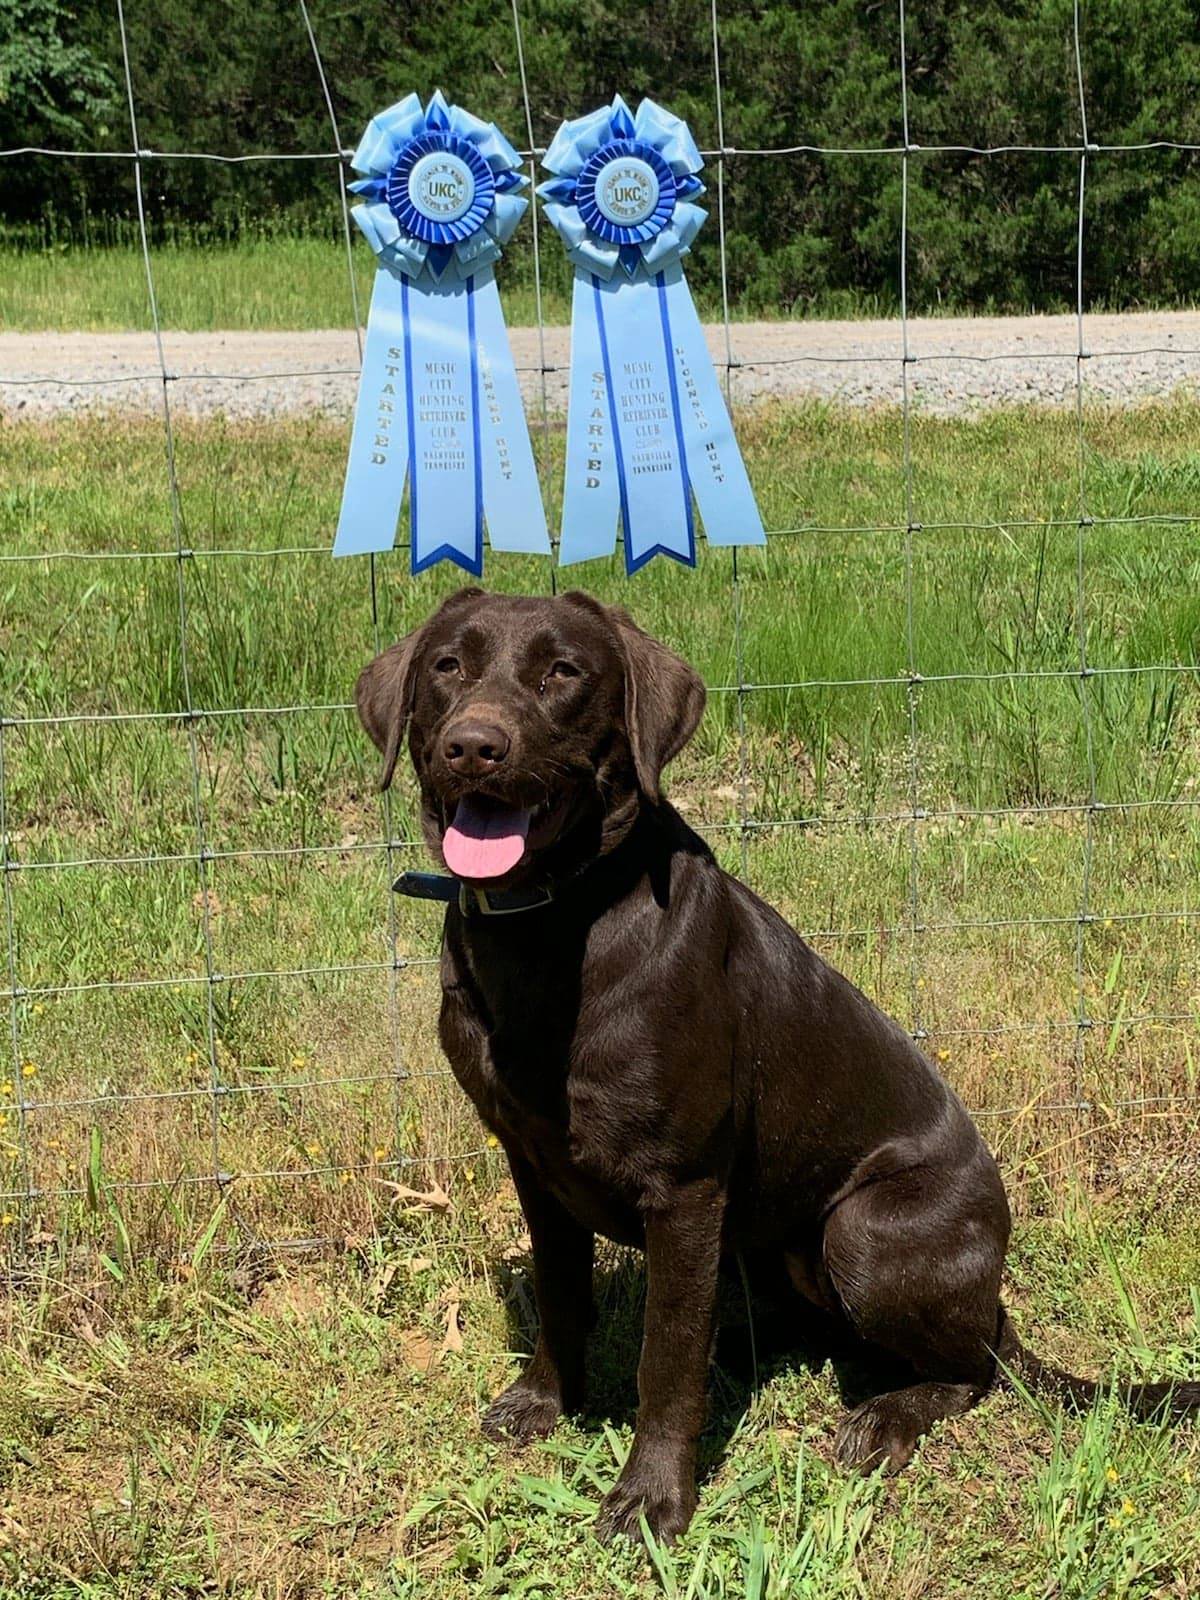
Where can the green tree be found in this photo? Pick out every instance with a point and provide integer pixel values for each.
(54, 89)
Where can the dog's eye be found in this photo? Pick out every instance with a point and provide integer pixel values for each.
(560, 669)
(447, 664)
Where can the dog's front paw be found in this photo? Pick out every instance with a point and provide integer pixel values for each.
(665, 1496)
(521, 1413)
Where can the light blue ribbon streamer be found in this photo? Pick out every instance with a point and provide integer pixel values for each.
(591, 493)
(715, 467)
(378, 462)
(441, 384)
(647, 425)
(516, 520)
(439, 406)
(656, 504)
(638, 352)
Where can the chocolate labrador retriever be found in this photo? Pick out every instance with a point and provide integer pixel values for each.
(665, 1061)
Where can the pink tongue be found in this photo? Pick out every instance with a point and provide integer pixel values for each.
(484, 841)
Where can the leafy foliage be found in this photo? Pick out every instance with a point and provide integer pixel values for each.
(985, 231)
(48, 84)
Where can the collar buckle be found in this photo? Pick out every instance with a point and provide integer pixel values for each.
(472, 900)
(475, 901)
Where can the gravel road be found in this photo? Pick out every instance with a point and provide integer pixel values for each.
(957, 364)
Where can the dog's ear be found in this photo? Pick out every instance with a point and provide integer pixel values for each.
(384, 694)
(664, 696)
(385, 689)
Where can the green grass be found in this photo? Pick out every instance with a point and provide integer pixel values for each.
(308, 1431)
(209, 1418)
(270, 281)
(298, 282)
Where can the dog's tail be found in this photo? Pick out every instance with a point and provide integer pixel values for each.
(1077, 1394)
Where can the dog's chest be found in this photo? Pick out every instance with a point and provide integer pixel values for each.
(565, 1111)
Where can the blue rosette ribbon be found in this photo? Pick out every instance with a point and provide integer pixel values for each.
(438, 401)
(647, 425)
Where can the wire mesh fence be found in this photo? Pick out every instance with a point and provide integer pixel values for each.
(217, 981)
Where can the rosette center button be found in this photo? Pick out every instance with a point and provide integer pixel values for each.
(627, 191)
(441, 186)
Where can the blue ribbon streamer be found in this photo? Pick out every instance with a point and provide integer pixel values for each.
(656, 501)
(591, 502)
(378, 461)
(647, 427)
(439, 406)
(716, 470)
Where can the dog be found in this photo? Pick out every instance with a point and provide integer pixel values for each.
(667, 1063)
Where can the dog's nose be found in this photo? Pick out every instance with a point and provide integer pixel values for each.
(473, 748)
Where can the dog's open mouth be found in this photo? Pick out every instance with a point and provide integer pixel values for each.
(485, 839)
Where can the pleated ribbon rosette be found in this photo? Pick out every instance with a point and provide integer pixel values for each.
(438, 400)
(648, 431)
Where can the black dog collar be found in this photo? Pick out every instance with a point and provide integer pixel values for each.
(471, 899)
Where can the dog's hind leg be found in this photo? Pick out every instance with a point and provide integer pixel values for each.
(915, 1256)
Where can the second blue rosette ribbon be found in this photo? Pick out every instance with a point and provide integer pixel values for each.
(438, 400)
(647, 425)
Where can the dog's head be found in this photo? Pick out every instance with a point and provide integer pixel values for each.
(535, 727)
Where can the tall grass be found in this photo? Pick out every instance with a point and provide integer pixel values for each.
(253, 273)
